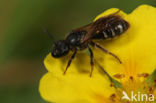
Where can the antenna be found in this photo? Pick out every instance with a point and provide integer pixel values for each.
(50, 35)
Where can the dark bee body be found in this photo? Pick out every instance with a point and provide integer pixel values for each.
(114, 27)
(74, 40)
(79, 39)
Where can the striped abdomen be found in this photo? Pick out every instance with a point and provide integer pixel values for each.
(112, 29)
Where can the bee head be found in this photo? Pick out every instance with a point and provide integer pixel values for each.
(60, 49)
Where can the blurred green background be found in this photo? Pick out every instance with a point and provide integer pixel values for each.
(23, 44)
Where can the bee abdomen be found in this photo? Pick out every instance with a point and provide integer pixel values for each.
(113, 29)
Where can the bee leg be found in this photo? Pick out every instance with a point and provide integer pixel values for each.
(106, 51)
(69, 62)
(91, 60)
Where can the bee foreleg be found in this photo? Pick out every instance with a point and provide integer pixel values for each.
(91, 60)
(70, 60)
(106, 51)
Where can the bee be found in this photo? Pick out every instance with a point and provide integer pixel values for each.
(106, 27)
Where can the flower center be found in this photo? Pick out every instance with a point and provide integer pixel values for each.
(135, 89)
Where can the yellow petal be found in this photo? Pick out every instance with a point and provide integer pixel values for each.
(135, 48)
(74, 88)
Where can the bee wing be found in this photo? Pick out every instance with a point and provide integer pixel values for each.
(99, 26)
(84, 28)
(95, 28)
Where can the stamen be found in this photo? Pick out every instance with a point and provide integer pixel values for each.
(119, 76)
(112, 97)
(145, 75)
(151, 89)
(131, 78)
(111, 85)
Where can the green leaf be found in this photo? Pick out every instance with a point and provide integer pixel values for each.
(116, 83)
(151, 78)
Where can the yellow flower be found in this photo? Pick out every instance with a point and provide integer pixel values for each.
(137, 50)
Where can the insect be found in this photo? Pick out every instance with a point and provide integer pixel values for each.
(82, 38)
